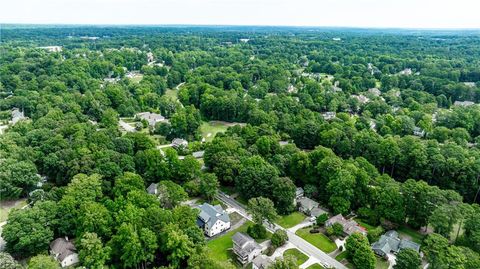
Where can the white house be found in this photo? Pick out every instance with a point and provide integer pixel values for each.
(245, 248)
(151, 118)
(179, 143)
(213, 219)
(64, 251)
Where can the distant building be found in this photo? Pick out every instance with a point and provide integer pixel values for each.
(309, 207)
(153, 189)
(299, 193)
(391, 243)
(349, 226)
(150, 58)
(362, 99)
(375, 91)
(198, 154)
(64, 251)
(17, 116)
(329, 115)
(261, 262)
(244, 40)
(406, 72)
(463, 103)
(245, 248)
(151, 118)
(213, 219)
(52, 48)
(417, 131)
(470, 84)
(283, 143)
(179, 143)
(336, 39)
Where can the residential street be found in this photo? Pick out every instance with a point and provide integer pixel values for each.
(294, 239)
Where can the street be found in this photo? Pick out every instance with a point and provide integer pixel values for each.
(297, 241)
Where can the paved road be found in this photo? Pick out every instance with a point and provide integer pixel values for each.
(127, 127)
(296, 240)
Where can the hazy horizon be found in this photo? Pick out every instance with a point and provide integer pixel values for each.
(407, 14)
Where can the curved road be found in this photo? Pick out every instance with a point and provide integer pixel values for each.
(296, 240)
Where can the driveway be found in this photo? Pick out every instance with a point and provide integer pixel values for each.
(294, 239)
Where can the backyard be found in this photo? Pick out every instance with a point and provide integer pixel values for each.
(319, 240)
(291, 220)
(315, 266)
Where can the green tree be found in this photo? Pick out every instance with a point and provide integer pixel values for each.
(208, 185)
(408, 259)
(92, 253)
(43, 262)
(262, 210)
(288, 262)
(8, 262)
(279, 238)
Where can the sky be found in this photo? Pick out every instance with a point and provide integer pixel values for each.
(341, 13)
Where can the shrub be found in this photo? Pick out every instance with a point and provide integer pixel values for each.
(279, 238)
(257, 231)
(320, 220)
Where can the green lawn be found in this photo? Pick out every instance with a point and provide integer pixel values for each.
(299, 256)
(409, 233)
(315, 266)
(7, 206)
(219, 247)
(365, 225)
(381, 263)
(210, 129)
(341, 256)
(291, 220)
(172, 94)
(319, 240)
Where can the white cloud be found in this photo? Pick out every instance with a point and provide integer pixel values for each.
(356, 13)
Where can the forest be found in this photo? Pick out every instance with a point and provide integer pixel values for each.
(384, 124)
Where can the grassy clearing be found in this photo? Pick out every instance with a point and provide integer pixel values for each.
(409, 233)
(315, 266)
(291, 220)
(220, 247)
(210, 129)
(299, 256)
(342, 256)
(365, 225)
(381, 263)
(7, 206)
(172, 94)
(319, 240)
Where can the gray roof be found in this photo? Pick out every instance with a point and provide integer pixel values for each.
(62, 247)
(210, 214)
(198, 154)
(307, 203)
(244, 244)
(179, 142)
(151, 118)
(390, 242)
(299, 192)
(152, 189)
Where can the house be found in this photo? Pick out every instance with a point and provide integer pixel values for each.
(391, 243)
(261, 262)
(283, 143)
(52, 48)
(406, 72)
(198, 154)
(299, 192)
(213, 219)
(309, 207)
(150, 57)
(153, 189)
(151, 118)
(179, 143)
(362, 99)
(470, 84)
(245, 248)
(463, 103)
(17, 116)
(375, 91)
(417, 131)
(349, 226)
(329, 115)
(64, 251)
